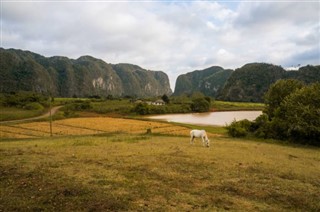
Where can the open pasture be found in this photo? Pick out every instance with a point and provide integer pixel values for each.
(11, 113)
(90, 126)
(134, 172)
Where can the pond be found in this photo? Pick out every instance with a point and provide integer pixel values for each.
(211, 118)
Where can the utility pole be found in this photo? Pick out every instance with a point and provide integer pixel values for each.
(50, 119)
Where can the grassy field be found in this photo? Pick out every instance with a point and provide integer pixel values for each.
(12, 113)
(94, 125)
(135, 172)
(116, 107)
(111, 164)
(225, 106)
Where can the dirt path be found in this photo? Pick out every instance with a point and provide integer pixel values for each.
(53, 111)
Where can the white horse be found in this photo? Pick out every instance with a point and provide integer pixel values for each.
(200, 134)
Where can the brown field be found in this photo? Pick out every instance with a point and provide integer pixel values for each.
(115, 166)
(90, 126)
(132, 172)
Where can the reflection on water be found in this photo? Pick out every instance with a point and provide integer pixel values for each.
(211, 118)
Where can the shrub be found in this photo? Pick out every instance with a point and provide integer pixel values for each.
(278, 92)
(33, 106)
(68, 113)
(165, 98)
(300, 111)
(21, 99)
(239, 128)
(200, 105)
(141, 109)
(79, 106)
(157, 109)
(292, 113)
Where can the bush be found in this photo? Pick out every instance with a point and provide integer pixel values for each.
(200, 105)
(21, 99)
(165, 98)
(239, 128)
(300, 111)
(157, 109)
(292, 113)
(278, 92)
(79, 106)
(68, 113)
(33, 106)
(141, 109)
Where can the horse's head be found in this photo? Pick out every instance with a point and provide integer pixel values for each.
(207, 142)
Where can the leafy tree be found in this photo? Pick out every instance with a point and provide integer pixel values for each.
(197, 95)
(278, 92)
(33, 106)
(165, 98)
(181, 99)
(20, 99)
(301, 113)
(294, 114)
(239, 128)
(200, 105)
(208, 99)
(142, 109)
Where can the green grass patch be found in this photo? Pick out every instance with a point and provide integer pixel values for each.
(13, 113)
(124, 172)
(232, 106)
(113, 106)
(210, 129)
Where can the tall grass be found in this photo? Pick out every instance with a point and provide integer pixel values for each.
(224, 106)
(124, 172)
(12, 113)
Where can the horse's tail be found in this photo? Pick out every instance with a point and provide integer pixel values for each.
(191, 132)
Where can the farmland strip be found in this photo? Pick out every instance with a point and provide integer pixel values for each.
(24, 135)
(30, 129)
(77, 127)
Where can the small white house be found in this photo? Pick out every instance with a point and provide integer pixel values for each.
(159, 102)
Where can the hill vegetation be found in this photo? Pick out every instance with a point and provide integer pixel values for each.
(84, 77)
(91, 77)
(291, 114)
(246, 84)
(250, 82)
(208, 81)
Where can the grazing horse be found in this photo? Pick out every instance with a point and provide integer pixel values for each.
(200, 134)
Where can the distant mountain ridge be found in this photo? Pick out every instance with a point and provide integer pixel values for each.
(89, 76)
(208, 81)
(245, 84)
(83, 77)
(250, 82)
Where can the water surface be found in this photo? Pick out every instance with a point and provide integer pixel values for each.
(210, 118)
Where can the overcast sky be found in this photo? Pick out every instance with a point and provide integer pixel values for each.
(172, 36)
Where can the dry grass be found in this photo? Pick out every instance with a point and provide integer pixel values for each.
(90, 126)
(131, 172)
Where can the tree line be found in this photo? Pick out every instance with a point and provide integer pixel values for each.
(292, 113)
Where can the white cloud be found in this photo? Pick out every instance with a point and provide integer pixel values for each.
(176, 37)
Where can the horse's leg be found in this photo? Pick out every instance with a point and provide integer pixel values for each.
(191, 139)
(203, 142)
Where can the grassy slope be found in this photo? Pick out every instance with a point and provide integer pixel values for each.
(138, 172)
(115, 106)
(11, 113)
(229, 106)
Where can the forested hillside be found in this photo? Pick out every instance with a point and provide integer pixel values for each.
(250, 82)
(208, 81)
(89, 76)
(83, 77)
(246, 84)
